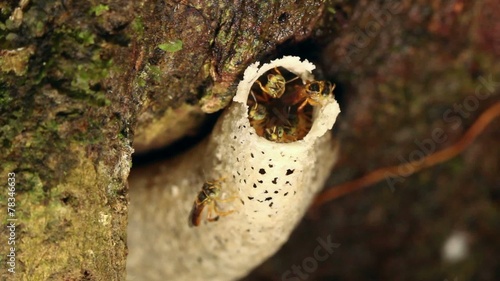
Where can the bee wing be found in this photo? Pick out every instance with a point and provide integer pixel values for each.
(294, 95)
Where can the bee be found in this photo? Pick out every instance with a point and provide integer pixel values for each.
(257, 111)
(277, 124)
(257, 114)
(258, 117)
(209, 196)
(296, 128)
(275, 85)
(313, 93)
(276, 134)
(300, 126)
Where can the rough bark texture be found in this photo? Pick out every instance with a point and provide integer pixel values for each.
(65, 134)
(79, 78)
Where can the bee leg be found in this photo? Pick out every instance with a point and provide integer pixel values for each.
(253, 96)
(293, 79)
(278, 71)
(314, 102)
(224, 213)
(221, 213)
(213, 219)
(266, 99)
(258, 98)
(301, 107)
(209, 214)
(261, 86)
(228, 199)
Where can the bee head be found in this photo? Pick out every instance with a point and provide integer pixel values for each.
(317, 90)
(213, 192)
(275, 85)
(275, 133)
(258, 112)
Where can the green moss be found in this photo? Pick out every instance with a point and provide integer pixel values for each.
(60, 216)
(51, 87)
(10, 130)
(148, 74)
(75, 66)
(172, 46)
(5, 99)
(85, 37)
(75, 63)
(36, 195)
(138, 25)
(141, 82)
(152, 72)
(82, 80)
(35, 20)
(99, 9)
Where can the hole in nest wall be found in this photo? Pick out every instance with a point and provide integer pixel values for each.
(280, 105)
(312, 49)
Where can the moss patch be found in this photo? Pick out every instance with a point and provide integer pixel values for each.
(67, 224)
(58, 126)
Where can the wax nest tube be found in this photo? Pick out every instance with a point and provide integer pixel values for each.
(266, 185)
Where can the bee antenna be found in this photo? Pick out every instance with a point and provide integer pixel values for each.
(253, 96)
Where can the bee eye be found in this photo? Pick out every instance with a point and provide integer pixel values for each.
(281, 131)
(314, 87)
(328, 89)
(212, 192)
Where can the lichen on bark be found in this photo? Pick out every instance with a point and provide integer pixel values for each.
(66, 139)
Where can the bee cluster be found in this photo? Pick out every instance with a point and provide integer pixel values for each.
(281, 106)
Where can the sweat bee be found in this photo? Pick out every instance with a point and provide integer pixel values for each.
(275, 85)
(301, 124)
(296, 128)
(209, 196)
(276, 134)
(313, 93)
(258, 117)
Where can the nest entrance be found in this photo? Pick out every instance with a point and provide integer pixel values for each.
(278, 108)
